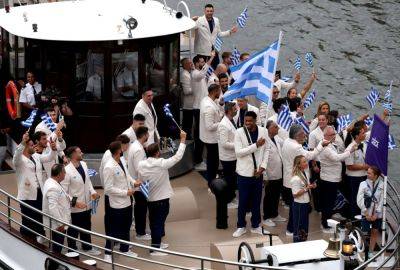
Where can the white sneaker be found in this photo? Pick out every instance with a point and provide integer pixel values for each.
(279, 218)
(130, 254)
(93, 252)
(201, 166)
(239, 232)
(145, 237)
(41, 239)
(164, 245)
(248, 214)
(258, 230)
(286, 206)
(289, 233)
(157, 253)
(338, 216)
(232, 205)
(326, 230)
(269, 223)
(108, 258)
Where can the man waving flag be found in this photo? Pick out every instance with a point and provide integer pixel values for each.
(256, 75)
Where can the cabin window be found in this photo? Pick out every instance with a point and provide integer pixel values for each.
(11, 50)
(173, 64)
(89, 75)
(21, 58)
(125, 76)
(155, 70)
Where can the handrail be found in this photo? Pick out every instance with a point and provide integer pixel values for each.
(201, 259)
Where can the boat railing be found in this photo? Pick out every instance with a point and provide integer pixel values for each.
(199, 262)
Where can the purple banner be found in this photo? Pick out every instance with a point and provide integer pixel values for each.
(377, 151)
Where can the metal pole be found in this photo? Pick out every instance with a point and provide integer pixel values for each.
(385, 180)
(190, 31)
(202, 264)
(9, 210)
(51, 233)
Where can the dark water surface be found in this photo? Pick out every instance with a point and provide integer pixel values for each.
(356, 44)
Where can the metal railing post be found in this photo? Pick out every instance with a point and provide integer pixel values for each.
(202, 264)
(112, 255)
(9, 210)
(51, 233)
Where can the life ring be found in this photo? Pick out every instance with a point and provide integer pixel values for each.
(12, 96)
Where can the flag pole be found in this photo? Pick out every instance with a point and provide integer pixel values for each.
(385, 181)
(277, 58)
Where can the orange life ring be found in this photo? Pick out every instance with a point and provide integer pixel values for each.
(12, 99)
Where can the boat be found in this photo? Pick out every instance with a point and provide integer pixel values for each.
(67, 41)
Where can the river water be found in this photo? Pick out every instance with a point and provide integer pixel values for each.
(356, 45)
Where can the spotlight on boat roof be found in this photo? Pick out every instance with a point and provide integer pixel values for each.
(179, 15)
(34, 27)
(143, 1)
(130, 23)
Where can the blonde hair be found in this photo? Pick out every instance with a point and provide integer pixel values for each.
(296, 166)
(320, 105)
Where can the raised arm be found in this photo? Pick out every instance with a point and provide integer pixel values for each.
(308, 85)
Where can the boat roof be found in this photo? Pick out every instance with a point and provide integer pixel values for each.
(93, 20)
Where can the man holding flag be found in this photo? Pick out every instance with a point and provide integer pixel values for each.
(207, 30)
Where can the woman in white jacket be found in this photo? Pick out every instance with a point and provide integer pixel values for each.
(370, 201)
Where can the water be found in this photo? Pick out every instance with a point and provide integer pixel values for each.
(355, 45)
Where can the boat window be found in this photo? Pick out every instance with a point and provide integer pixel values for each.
(11, 48)
(124, 76)
(21, 58)
(173, 64)
(51, 264)
(89, 75)
(155, 70)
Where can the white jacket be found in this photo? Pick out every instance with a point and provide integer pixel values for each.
(367, 187)
(151, 123)
(226, 140)
(116, 184)
(291, 149)
(75, 187)
(136, 154)
(199, 85)
(56, 203)
(29, 176)
(250, 108)
(106, 157)
(130, 132)
(244, 150)
(331, 163)
(209, 120)
(204, 39)
(213, 79)
(274, 170)
(187, 91)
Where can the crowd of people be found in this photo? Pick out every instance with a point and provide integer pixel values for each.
(242, 135)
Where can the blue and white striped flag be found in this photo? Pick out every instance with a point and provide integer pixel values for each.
(392, 143)
(388, 94)
(373, 97)
(93, 205)
(256, 75)
(297, 63)
(369, 121)
(218, 43)
(235, 57)
(285, 120)
(92, 172)
(309, 59)
(145, 188)
(242, 19)
(300, 121)
(309, 100)
(340, 201)
(49, 123)
(210, 71)
(286, 78)
(29, 121)
(388, 106)
(343, 122)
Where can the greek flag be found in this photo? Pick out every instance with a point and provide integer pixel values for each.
(29, 121)
(218, 43)
(92, 172)
(49, 123)
(210, 71)
(285, 118)
(297, 63)
(373, 97)
(340, 201)
(388, 106)
(388, 94)
(309, 59)
(309, 100)
(300, 121)
(242, 19)
(369, 121)
(286, 78)
(343, 122)
(256, 75)
(392, 143)
(93, 205)
(145, 188)
(235, 57)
